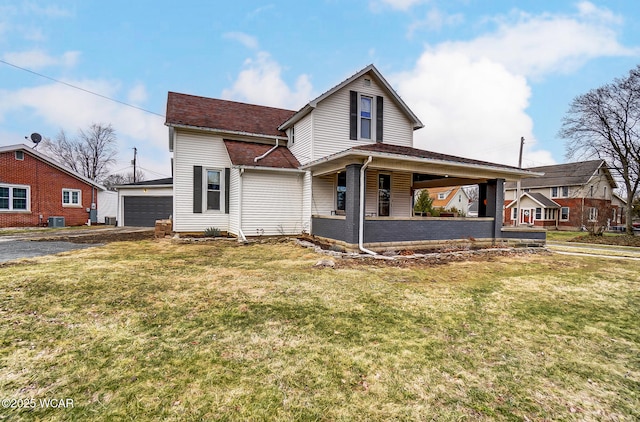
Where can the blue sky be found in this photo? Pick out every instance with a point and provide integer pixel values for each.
(479, 74)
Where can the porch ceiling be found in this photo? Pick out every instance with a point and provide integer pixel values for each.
(466, 173)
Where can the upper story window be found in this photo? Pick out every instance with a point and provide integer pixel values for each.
(14, 198)
(560, 191)
(71, 198)
(20, 155)
(365, 117)
(292, 135)
(442, 195)
(365, 121)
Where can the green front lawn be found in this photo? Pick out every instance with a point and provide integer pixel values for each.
(216, 331)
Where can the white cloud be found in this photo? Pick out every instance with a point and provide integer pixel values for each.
(538, 45)
(244, 39)
(260, 82)
(470, 107)
(435, 20)
(38, 59)
(138, 94)
(57, 106)
(401, 4)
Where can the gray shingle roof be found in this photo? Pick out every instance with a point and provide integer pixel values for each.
(568, 174)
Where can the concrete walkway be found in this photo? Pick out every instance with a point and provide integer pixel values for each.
(595, 250)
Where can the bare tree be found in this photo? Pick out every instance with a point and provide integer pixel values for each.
(605, 123)
(91, 153)
(122, 179)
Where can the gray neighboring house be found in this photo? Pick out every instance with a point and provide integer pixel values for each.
(141, 204)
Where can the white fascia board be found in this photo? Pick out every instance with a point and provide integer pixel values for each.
(421, 160)
(229, 132)
(262, 168)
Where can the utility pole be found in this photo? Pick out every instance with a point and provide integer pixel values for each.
(518, 210)
(135, 155)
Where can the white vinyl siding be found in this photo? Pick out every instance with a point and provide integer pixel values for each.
(234, 186)
(306, 202)
(271, 203)
(401, 195)
(371, 193)
(195, 149)
(302, 148)
(331, 121)
(323, 197)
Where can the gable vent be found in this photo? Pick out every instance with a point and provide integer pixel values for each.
(367, 82)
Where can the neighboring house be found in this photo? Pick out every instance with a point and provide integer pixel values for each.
(473, 209)
(343, 167)
(568, 196)
(450, 197)
(33, 187)
(141, 204)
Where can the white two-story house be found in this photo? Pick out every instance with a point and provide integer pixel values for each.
(342, 168)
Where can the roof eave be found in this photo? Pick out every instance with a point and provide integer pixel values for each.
(226, 132)
(376, 154)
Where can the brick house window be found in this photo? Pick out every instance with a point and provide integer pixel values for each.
(20, 155)
(14, 198)
(593, 214)
(71, 198)
(564, 214)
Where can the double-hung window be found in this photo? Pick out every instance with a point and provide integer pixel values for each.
(341, 192)
(365, 117)
(213, 190)
(14, 198)
(71, 198)
(564, 213)
(593, 214)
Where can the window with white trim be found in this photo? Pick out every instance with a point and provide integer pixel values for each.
(366, 117)
(442, 195)
(71, 198)
(20, 155)
(14, 198)
(213, 189)
(538, 213)
(564, 214)
(514, 213)
(593, 214)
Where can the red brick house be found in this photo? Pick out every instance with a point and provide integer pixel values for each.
(33, 187)
(568, 196)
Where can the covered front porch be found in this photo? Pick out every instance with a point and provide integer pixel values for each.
(363, 199)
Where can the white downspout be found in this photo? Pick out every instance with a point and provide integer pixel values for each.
(361, 227)
(255, 160)
(242, 236)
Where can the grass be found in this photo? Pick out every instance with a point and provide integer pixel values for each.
(160, 331)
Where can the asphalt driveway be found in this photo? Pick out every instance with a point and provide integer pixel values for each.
(29, 244)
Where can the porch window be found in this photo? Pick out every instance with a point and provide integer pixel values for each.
(538, 213)
(549, 213)
(14, 198)
(341, 191)
(384, 195)
(564, 214)
(213, 190)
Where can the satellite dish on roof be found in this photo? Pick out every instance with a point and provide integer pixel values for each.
(36, 137)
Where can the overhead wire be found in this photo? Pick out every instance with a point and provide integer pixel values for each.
(81, 89)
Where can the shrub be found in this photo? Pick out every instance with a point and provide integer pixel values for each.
(212, 232)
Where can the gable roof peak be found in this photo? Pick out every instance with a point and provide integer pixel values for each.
(371, 69)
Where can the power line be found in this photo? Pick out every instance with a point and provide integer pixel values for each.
(82, 89)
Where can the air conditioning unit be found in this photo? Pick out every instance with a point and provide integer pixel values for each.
(111, 221)
(56, 222)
